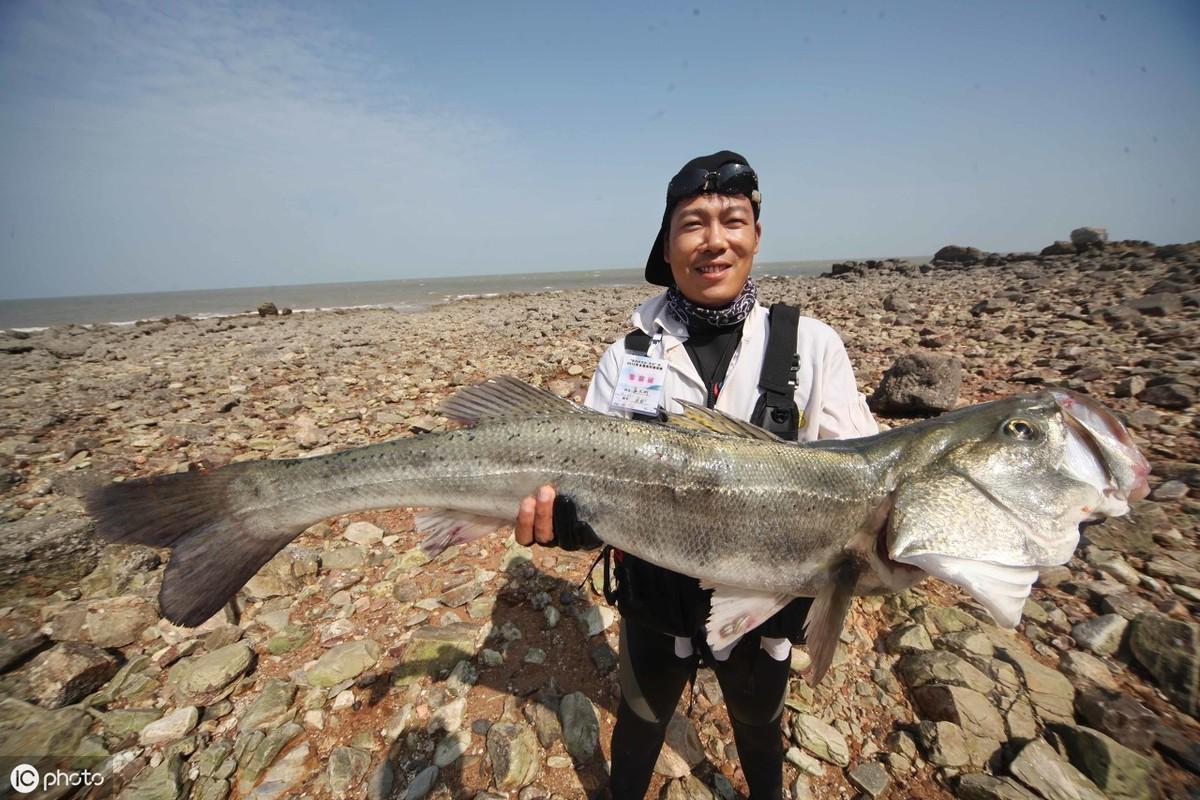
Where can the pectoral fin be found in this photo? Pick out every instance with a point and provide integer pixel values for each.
(737, 611)
(444, 527)
(823, 627)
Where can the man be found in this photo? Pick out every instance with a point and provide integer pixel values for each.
(705, 338)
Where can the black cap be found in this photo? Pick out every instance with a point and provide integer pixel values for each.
(658, 271)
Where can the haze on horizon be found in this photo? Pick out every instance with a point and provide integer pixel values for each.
(152, 147)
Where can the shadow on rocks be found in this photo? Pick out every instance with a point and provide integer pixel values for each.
(530, 690)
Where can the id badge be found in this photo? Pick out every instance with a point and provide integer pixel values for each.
(640, 385)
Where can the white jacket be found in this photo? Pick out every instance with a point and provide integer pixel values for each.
(826, 392)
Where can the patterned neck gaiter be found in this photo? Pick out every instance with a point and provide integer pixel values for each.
(689, 313)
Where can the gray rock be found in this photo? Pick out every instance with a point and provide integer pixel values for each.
(944, 619)
(164, 782)
(264, 754)
(871, 778)
(820, 739)
(379, 786)
(959, 255)
(688, 788)
(1127, 604)
(285, 776)
(1175, 396)
(289, 638)
(1170, 651)
(1120, 773)
(596, 619)
(1050, 776)
(40, 735)
(66, 673)
(271, 707)
(344, 662)
(422, 784)
(173, 726)
(1160, 304)
(451, 748)
(349, 557)
(543, 716)
(122, 723)
(1101, 635)
(206, 678)
(979, 786)
(433, 649)
(113, 622)
(363, 533)
(347, 767)
(1120, 717)
(513, 752)
(580, 726)
(285, 574)
(45, 553)
(968, 709)
(909, 639)
(682, 750)
(15, 649)
(939, 666)
(943, 743)
(1132, 534)
(1051, 692)
(919, 383)
(1059, 248)
(1086, 669)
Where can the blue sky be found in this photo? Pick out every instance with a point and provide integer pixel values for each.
(167, 146)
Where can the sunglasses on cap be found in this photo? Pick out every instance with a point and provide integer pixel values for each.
(731, 178)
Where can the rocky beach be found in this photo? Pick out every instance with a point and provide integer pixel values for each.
(350, 666)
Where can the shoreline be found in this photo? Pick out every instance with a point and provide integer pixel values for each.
(411, 294)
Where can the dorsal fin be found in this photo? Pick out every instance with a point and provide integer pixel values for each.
(504, 396)
(709, 420)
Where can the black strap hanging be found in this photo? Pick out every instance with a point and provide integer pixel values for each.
(776, 410)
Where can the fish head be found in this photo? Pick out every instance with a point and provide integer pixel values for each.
(1001, 489)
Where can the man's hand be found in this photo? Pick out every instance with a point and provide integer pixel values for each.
(550, 519)
(535, 520)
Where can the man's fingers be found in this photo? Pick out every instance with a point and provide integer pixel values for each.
(543, 520)
(525, 521)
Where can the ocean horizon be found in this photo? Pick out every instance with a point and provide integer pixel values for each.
(410, 294)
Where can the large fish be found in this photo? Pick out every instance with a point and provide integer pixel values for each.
(981, 497)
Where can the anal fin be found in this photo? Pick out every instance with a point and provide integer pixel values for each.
(445, 527)
(737, 611)
(828, 614)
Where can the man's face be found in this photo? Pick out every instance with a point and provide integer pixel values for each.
(710, 246)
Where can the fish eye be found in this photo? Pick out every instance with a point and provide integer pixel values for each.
(1019, 429)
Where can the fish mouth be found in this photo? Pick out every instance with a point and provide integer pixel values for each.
(999, 588)
(1100, 452)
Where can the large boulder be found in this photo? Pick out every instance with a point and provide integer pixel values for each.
(1059, 249)
(1089, 238)
(919, 383)
(959, 255)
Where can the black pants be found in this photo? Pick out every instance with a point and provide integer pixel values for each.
(652, 679)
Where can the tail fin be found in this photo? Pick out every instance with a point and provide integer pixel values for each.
(216, 544)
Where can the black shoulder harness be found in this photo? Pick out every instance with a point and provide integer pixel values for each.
(776, 410)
